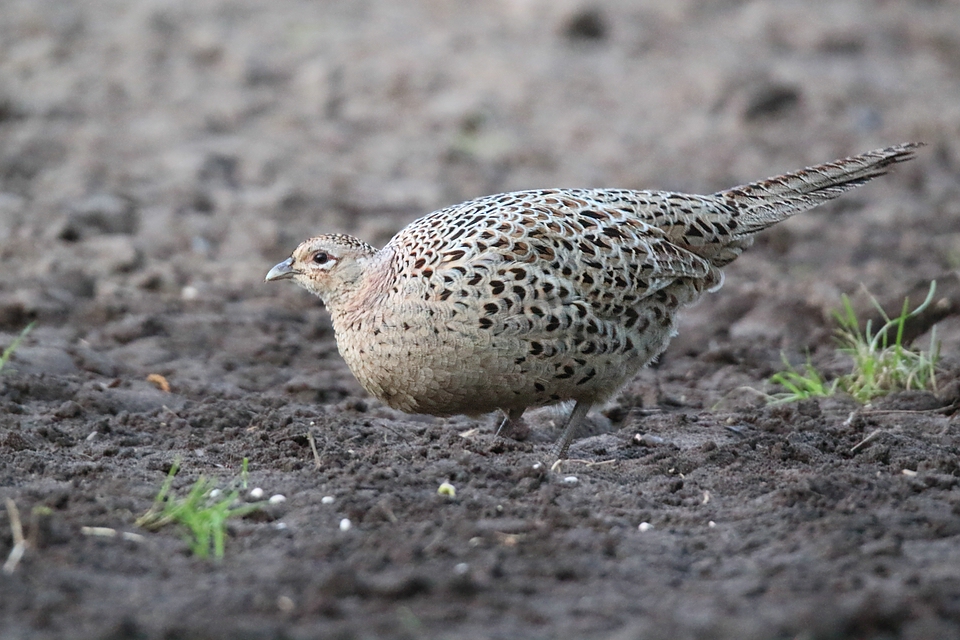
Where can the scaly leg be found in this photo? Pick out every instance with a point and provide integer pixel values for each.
(579, 412)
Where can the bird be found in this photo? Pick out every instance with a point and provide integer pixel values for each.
(534, 298)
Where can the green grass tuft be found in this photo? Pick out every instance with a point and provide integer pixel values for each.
(202, 511)
(801, 384)
(8, 352)
(881, 362)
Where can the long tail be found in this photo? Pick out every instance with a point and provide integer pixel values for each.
(764, 203)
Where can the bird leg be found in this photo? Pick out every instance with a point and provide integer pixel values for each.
(513, 425)
(579, 412)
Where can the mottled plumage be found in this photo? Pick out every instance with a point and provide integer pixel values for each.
(531, 298)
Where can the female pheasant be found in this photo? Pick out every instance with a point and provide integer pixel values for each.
(537, 297)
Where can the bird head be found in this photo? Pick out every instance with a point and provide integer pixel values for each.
(326, 265)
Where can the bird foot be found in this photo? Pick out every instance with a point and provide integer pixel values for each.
(514, 427)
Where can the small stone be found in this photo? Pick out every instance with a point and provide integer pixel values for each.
(110, 254)
(770, 100)
(345, 524)
(285, 604)
(68, 409)
(104, 213)
(586, 25)
(648, 440)
(256, 493)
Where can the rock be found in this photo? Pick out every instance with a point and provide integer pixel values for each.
(142, 398)
(99, 214)
(771, 100)
(110, 254)
(49, 360)
(587, 25)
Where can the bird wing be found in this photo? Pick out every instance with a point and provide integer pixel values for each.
(526, 250)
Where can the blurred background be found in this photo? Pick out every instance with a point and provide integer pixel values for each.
(170, 149)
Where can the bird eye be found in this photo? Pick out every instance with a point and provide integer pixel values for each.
(320, 257)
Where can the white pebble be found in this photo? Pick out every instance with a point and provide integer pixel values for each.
(645, 526)
(277, 499)
(711, 524)
(571, 480)
(461, 568)
(189, 293)
(536, 466)
(327, 500)
(280, 526)
(345, 524)
(216, 493)
(256, 493)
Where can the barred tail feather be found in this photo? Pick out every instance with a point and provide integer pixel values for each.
(764, 203)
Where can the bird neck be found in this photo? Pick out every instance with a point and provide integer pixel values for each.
(357, 286)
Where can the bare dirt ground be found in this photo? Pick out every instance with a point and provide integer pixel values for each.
(157, 157)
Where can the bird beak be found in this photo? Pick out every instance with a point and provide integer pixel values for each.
(282, 271)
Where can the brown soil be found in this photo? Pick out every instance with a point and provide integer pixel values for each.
(156, 158)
